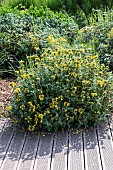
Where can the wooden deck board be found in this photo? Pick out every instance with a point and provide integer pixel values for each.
(59, 158)
(44, 151)
(11, 160)
(5, 141)
(91, 151)
(65, 150)
(29, 152)
(76, 159)
(105, 144)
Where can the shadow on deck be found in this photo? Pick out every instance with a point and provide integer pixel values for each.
(65, 150)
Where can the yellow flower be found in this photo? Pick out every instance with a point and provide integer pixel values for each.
(95, 57)
(78, 65)
(36, 118)
(93, 94)
(63, 64)
(30, 103)
(41, 97)
(40, 116)
(80, 110)
(16, 90)
(8, 108)
(26, 90)
(13, 84)
(22, 107)
(34, 108)
(54, 76)
(65, 110)
(93, 64)
(20, 71)
(52, 106)
(100, 82)
(17, 99)
(54, 53)
(28, 119)
(56, 106)
(81, 50)
(66, 104)
(31, 128)
(66, 68)
(36, 48)
(25, 76)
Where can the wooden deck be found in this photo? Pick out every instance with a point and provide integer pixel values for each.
(67, 150)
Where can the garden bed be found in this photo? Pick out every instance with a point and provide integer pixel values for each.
(5, 93)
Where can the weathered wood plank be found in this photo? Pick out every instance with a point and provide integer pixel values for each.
(91, 150)
(60, 151)
(2, 124)
(43, 157)
(5, 140)
(27, 159)
(106, 147)
(76, 160)
(11, 160)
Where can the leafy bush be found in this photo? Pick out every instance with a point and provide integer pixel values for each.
(63, 88)
(99, 36)
(23, 32)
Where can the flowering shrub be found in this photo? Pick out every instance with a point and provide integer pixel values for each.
(61, 89)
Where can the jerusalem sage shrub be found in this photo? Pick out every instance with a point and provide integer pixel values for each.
(61, 89)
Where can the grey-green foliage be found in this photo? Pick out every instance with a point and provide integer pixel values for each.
(22, 33)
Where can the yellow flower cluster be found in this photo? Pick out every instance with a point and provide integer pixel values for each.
(40, 116)
(93, 64)
(41, 97)
(66, 104)
(54, 104)
(22, 107)
(93, 94)
(26, 90)
(13, 84)
(50, 39)
(32, 107)
(86, 82)
(28, 119)
(25, 76)
(8, 108)
(80, 110)
(16, 90)
(54, 53)
(101, 82)
(47, 111)
(36, 48)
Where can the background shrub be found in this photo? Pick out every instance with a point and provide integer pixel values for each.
(22, 33)
(99, 35)
(63, 88)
